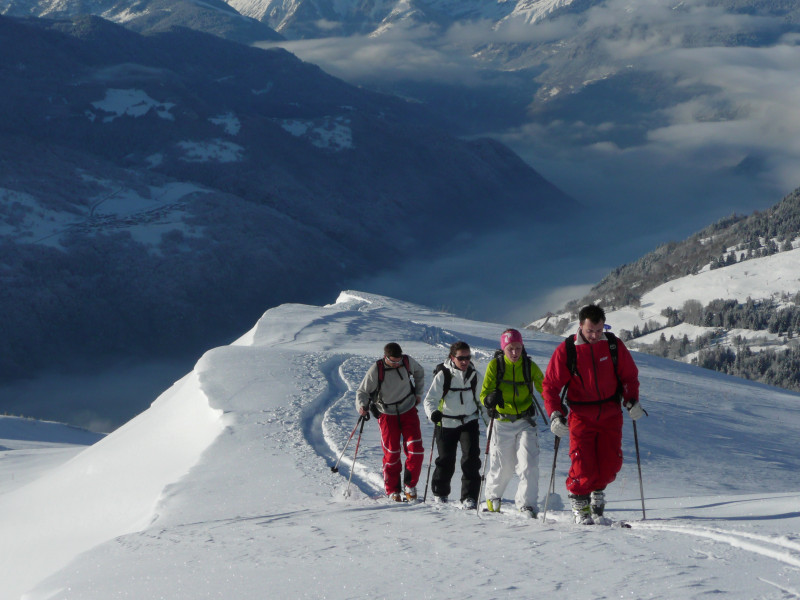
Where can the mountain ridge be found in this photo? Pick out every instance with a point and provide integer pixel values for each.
(723, 298)
(224, 487)
(143, 176)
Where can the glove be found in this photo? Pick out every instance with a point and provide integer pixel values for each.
(436, 417)
(558, 424)
(373, 408)
(635, 410)
(494, 400)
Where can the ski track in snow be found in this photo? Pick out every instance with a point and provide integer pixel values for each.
(771, 547)
(327, 424)
(262, 514)
(324, 432)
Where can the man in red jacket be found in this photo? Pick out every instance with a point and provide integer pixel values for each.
(595, 388)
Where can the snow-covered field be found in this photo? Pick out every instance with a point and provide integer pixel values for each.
(223, 489)
(770, 277)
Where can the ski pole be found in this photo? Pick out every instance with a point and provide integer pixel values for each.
(552, 485)
(335, 467)
(639, 464)
(402, 442)
(355, 455)
(430, 460)
(485, 460)
(539, 408)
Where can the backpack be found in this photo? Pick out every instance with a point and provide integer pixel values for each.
(501, 369)
(526, 376)
(572, 360)
(382, 374)
(448, 378)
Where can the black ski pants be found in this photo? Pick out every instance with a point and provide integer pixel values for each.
(447, 443)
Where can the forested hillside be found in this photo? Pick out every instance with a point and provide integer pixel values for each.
(714, 299)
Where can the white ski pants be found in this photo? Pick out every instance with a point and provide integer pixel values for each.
(514, 449)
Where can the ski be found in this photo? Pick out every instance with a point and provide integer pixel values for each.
(606, 522)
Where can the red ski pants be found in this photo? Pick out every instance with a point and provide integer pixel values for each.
(393, 427)
(595, 447)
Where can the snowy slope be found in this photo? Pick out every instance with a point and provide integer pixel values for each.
(251, 509)
(29, 448)
(769, 277)
(293, 16)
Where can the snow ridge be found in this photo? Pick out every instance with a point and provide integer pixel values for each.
(254, 506)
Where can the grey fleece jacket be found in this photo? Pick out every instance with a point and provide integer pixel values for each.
(396, 395)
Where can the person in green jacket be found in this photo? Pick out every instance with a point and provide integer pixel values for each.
(514, 446)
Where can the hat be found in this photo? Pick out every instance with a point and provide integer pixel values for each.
(509, 337)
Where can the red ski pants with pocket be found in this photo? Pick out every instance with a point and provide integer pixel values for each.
(393, 428)
(595, 446)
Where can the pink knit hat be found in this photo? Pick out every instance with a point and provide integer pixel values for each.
(509, 337)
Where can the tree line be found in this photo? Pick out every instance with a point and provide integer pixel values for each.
(779, 367)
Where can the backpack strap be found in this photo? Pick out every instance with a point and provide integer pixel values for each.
(572, 365)
(499, 357)
(613, 348)
(381, 373)
(376, 395)
(501, 368)
(447, 387)
(572, 361)
(474, 383)
(448, 377)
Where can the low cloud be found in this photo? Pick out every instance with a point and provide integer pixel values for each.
(723, 134)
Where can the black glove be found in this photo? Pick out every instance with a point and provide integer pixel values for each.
(494, 400)
(436, 416)
(374, 410)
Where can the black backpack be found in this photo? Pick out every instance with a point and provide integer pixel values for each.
(572, 360)
(526, 376)
(448, 378)
(501, 369)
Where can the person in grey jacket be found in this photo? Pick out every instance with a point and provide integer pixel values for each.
(390, 389)
(455, 412)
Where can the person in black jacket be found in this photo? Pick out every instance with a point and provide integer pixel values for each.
(453, 406)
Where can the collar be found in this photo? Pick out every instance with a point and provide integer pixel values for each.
(579, 339)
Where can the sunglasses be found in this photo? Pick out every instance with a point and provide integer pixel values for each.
(463, 358)
(393, 360)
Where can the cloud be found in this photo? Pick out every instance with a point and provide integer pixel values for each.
(402, 52)
(717, 131)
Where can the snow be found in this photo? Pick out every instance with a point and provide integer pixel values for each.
(758, 278)
(25, 219)
(223, 488)
(145, 216)
(532, 11)
(229, 122)
(333, 133)
(131, 103)
(769, 277)
(211, 150)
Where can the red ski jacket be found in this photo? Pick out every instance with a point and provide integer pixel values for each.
(595, 380)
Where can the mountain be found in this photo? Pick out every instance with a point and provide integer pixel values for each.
(149, 16)
(604, 97)
(727, 297)
(307, 18)
(223, 488)
(159, 191)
